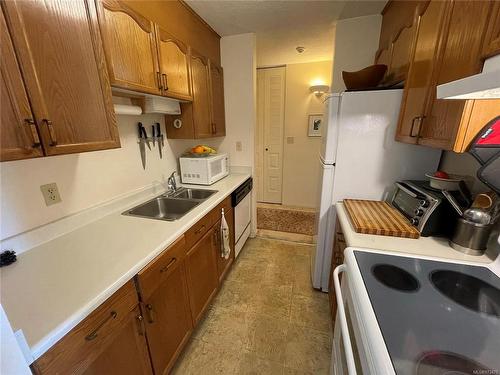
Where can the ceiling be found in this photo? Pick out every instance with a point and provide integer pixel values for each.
(281, 26)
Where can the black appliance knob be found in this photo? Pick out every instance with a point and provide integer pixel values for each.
(424, 203)
(414, 221)
(419, 212)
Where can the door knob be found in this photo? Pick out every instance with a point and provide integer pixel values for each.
(267, 149)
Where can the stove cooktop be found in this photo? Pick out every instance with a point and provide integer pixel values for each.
(435, 317)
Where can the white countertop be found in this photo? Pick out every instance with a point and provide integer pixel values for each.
(425, 246)
(54, 286)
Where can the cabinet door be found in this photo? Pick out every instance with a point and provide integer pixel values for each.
(217, 100)
(201, 97)
(62, 61)
(223, 265)
(459, 58)
(202, 274)
(110, 340)
(168, 318)
(491, 45)
(19, 136)
(130, 45)
(174, 65)
(419, 81)
(128, 353)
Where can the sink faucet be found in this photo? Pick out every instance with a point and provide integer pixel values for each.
(172, 185)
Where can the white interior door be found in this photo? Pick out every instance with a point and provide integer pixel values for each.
(270, 117)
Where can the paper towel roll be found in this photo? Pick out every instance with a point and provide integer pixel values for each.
(123, 109)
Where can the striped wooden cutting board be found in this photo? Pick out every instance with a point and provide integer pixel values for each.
(377, 217)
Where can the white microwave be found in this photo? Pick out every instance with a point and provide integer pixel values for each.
(203, 170)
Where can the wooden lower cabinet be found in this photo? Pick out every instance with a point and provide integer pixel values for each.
(165, 305)
(110, 340)
(128, 354)
(339, 246)
(202, 276)
(143, 327)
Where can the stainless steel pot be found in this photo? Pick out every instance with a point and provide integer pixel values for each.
(470, 238)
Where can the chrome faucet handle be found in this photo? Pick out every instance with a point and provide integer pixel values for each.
(172, 184)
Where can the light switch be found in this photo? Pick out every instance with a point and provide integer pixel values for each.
(290, 140)
(238, 146)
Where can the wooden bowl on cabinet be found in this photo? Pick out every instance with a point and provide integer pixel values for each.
(366, 78)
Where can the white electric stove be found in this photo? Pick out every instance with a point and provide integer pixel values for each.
(403, 314)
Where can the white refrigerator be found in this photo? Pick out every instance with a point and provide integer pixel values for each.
(360, 159)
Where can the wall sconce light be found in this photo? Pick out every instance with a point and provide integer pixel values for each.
(319, 90)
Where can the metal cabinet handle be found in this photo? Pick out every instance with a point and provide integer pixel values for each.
(351, 367)
(52, 133)
(92, 335)
(139, 323)
(214, 128)
(149, 308)
(170, 264)
(158, 78)
(420, 121)
(34, 133)
(165, 81)
(197, 231)
(412, 126)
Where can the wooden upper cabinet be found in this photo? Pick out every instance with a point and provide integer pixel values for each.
(19, 135)
(397, 36)
(419, 81)
(196, 116)
(217, 100)
(130, 45)
(491, 45)
(174, 65)
(449, 42)
(459, 57)
(201, 97)
(62, 62)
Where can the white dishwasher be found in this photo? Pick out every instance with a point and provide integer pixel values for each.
(241, 200)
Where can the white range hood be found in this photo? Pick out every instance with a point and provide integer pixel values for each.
(485, 85)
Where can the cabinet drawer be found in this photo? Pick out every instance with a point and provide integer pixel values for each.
(76, 351)
(197, 231)
(158, 270)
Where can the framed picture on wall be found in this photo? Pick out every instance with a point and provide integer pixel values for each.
(315, 125)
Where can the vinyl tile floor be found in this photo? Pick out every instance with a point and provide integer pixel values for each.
(266, 319)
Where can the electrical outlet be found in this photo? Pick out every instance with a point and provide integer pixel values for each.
(239, 147)
(50, 193)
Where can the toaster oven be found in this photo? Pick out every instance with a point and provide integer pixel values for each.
(203, 170)
(426, 208)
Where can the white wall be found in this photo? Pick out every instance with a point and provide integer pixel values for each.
(300, 152)
(356, 41)
(238, 58)
(84, 180)
(463, 164)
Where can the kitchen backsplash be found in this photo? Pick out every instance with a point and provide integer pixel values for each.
(463, 164)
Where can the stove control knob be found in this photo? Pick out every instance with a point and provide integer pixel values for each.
(419, 212)
(414, 221)
(424, 203)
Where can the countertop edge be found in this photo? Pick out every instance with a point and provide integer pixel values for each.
(423, 246)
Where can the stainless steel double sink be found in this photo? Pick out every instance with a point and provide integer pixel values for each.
(171, 206)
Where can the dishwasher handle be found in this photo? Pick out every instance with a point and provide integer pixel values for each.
(351, 367)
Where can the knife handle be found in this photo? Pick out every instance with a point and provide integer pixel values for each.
(158, 129)
(139, 128)
(153, 130)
